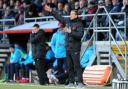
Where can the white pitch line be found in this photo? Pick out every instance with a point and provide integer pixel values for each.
(17, 84)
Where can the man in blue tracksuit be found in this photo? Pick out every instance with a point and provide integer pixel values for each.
(26, 65)
(13, 66)
(58, 47)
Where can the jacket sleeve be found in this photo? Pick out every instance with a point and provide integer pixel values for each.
(34, 38)
(59, 17)
(17, 56)
(78, 32)
(53, 42)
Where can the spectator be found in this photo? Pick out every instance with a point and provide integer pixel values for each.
(77, 5)
(27, 2)
(82, 5)
(63, 1)
(37, 2)
(1, 14)
(108, 5)
(60, 8)
(12, 3)
(67, 9)
(17, 5)
(20, 16)
(121, 21)
(125, 7)
(92, 8)
(71, 3)
(74, 33)
(9, 15)
(54, 2)
(117, 4)
(37, 39)
(32, 12)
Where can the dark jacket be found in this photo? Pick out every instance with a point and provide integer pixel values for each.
(125, 10)
(116, 8)
(38, 44)
(73, 39)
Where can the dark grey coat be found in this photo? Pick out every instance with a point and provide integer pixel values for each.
(38, 44)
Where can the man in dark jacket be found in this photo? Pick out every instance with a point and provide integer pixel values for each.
(37, 39)
(74, 33)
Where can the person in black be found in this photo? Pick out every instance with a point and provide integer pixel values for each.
(74, 31)
(37, 39)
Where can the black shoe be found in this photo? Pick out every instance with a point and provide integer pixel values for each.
(44, 83)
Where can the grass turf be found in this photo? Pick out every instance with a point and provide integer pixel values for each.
(34, 86)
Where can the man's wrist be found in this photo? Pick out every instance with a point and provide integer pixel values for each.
(50, 10)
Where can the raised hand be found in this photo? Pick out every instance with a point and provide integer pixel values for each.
(47, 8)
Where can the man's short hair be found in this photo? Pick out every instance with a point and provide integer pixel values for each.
(11, 46)
(76, 12)
(62, 25)
(36, 25)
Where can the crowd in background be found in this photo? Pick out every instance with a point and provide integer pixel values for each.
(19, 9)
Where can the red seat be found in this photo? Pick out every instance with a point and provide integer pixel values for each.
(97, 74)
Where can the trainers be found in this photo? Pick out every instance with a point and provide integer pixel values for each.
(11, 81)
(23, 81)
(80, 86)
(18, 78)
(70, 85)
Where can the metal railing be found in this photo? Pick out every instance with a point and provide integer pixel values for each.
(111, 27)
(93, 25)
(6, 24)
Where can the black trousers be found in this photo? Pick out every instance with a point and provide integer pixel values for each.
(74, 69)
(11, 69)
(25, 70)
(61, 63)
(41, 71)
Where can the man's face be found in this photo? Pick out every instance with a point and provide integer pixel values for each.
(73, 15)
(60, 6)
(125, 2)
(76, 5)
(35, 29)
(114, 2)
(62, 30)
(81, 4)
(11, 49)
(108, 2)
